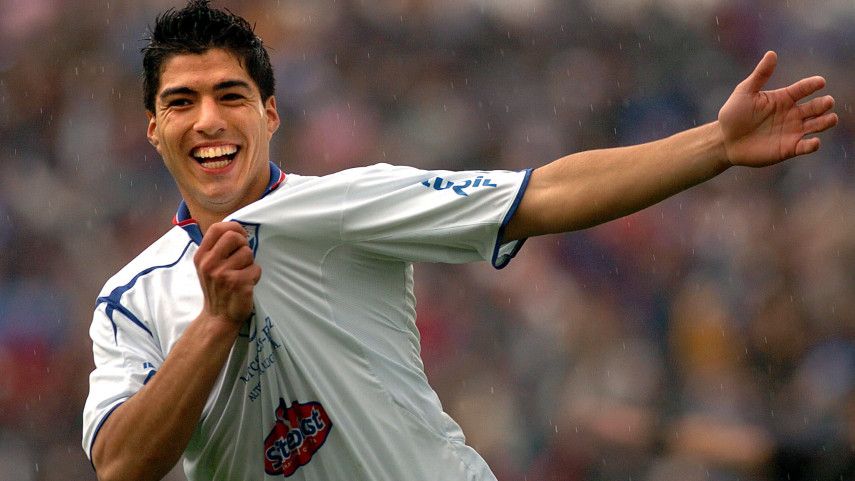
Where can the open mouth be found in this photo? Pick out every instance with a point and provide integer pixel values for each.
(216, 157)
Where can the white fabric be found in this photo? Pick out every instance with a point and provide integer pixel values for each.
(333, 342)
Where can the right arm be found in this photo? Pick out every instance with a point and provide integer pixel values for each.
(144, 437)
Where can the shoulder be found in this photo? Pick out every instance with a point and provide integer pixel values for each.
(347, 176)
(316, 191)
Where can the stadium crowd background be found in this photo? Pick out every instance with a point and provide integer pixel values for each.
(711, 337)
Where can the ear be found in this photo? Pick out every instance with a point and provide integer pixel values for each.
(151, 131)
(272, 115)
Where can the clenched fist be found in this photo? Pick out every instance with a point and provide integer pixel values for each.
(227, 272)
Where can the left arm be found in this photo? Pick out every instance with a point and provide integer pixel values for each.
(754, 128)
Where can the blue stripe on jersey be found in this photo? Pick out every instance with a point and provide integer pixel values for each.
(507, 258)
(114, 300)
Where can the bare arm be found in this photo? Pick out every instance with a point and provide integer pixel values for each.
(144, 437)
(755, 128)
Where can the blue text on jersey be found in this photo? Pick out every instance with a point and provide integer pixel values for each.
(439, 183)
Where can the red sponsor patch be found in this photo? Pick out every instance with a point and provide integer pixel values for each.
(299, 432)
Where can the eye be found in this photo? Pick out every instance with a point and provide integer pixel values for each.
(178, 102)
(232, 96)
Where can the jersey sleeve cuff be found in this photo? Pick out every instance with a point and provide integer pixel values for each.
(503, 252)
(98, 430)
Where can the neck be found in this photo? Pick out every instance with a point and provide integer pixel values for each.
(206, 220)
(206, 215)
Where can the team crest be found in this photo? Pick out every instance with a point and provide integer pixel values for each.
(299, 432)
(252, 231)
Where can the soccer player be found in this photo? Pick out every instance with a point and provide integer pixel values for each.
(271, 333)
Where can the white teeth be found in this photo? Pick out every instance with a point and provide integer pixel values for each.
(211, 152)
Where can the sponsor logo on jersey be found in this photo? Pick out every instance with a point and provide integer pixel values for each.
(299, 432)
(252, 233)
(459, 187)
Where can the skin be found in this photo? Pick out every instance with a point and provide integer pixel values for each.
(754, 128)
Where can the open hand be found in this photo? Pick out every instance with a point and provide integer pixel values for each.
(766, 127)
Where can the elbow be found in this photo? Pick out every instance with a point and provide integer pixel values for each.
(110, 469)
(113, 466)
(108, 472)
(120, 454)
(105, 473)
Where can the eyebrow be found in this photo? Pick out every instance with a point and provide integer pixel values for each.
(224, 85)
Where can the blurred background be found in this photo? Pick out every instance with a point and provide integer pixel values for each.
(711, 337)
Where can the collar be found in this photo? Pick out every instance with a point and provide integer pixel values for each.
(185, 221)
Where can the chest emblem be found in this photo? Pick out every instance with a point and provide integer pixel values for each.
(299, 432)
(252, 234)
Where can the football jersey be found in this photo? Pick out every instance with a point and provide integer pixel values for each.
(325, 380)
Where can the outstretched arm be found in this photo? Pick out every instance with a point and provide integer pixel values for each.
(754, 128)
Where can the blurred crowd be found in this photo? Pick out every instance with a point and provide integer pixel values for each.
(710, 337)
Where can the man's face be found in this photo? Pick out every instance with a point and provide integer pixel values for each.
(213, 131)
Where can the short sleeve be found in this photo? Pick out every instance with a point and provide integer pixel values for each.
(126, 356)
(432, 216)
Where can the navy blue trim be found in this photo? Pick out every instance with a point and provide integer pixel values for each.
(503, 262)
(98, 430)
(149, 376)
(274, 181)
(183, 220)
(114, 300)
(183, 213)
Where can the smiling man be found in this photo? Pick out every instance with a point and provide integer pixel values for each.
(311, 369)
(213, 128)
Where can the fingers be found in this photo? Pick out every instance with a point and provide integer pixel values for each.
(817, 124)
(218, 230)
(817, 106)
(225, 246)
(817, 116)
(807, 146)
(761, 74)
(820, 123)
(823, 121)
(232, 245)
(805, 87)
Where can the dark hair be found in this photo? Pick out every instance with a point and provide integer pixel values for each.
(195, 29)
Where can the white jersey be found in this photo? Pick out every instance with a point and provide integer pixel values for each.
(325, 381)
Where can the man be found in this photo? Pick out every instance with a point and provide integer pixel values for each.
(271, 332)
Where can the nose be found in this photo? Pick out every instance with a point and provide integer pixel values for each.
(210, 121)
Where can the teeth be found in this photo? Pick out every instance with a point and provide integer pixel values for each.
(216, 165)
(211, 152)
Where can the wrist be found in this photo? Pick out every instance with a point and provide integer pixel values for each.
(721, 158)
(217, 327)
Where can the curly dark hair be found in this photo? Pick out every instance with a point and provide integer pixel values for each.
(195, 29)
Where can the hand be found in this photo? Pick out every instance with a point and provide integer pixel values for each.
(227, 273)
(766, 127)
